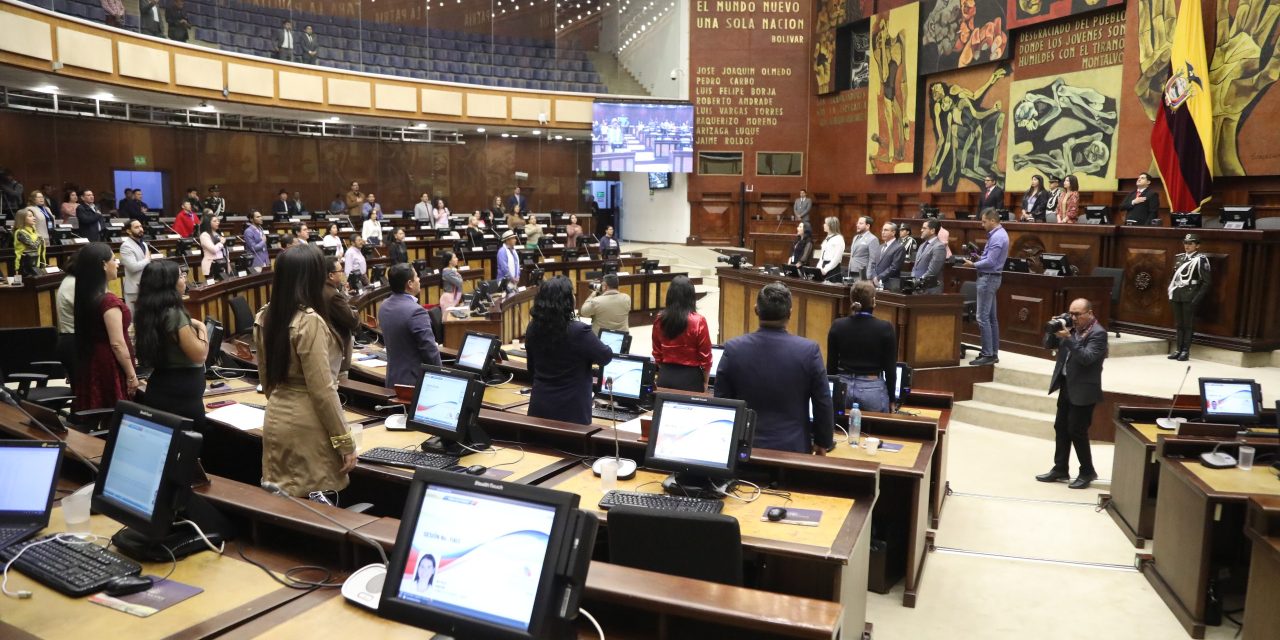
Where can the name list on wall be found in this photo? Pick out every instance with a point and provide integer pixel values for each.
(749, 79)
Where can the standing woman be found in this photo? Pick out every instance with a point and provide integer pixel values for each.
(104, 371)
(397, 250)
(70, 202)
(45, 221)
(450, 280)
(802, 250)
(832, 250)
(210, 243)
(1035, 201)
(306, 445)
(682, 341)
(440, 214)
(1069, 202)
(28, 246)
(572, 232)
(561, 351)
(331, 239)
(863, 350)
(533, 233)
(171, 342)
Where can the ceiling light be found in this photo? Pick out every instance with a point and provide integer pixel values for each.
(559, 137)
(103, 95)
(536, 132)
(334, 119)
(514, 136)
(420, 125)
(479, 129)
(569, 139)
(47, 88)
(206, 107)
(506, 135)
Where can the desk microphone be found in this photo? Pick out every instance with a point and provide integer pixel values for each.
(1169, 422)
(626, 467)
(7, 397)
(1216, 459)
(271, 487)
(394, 423)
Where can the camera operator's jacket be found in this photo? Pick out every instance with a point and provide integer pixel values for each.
(1080, 360)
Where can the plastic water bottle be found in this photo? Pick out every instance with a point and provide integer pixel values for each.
(855, 424)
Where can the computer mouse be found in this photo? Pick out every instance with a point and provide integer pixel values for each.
(775, 514)
(477, 469)
(126, 585)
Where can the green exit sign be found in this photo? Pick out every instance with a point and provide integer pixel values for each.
(139, 161)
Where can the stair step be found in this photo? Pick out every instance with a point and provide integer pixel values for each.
(992, 416)
(1024, 379)
(1016, 396)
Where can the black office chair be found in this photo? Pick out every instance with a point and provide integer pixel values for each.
(243, 316)
(28, 357)
(1117, 285)
(702, 546)
(437, 323)
(970, 314)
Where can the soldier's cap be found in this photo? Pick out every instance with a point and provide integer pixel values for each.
(215, 187)
(1191, 238)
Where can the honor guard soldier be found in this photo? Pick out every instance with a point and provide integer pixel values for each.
(214, 202)
(1187, 288)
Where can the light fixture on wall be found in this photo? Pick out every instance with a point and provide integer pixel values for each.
(205, 107)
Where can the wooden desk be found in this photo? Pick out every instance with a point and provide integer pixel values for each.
(1262, 525)
(1199, 528)
(214, 300)
(32, 304)
(1026, 301)
(935, 405)
(774, 248)
(928, 326)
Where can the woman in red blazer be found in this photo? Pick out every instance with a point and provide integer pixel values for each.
(681, 341)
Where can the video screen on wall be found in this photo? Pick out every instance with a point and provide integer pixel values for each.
(642, 137)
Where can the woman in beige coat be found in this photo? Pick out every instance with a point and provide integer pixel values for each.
(306, 444)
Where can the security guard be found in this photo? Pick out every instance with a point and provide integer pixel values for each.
(214, 202)
(1187, 288)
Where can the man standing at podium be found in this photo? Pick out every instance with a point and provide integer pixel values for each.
(1143, 205)
(931, 257)
(990, 268)
(802, 206)
(1187, 288)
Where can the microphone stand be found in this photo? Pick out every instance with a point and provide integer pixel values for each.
(271, 487)
(394, 423)
(626, 466)
(1169, 422)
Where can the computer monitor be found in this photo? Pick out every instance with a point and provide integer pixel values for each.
(149, 463)
(28, 479)
(216, 334)
(717, 351)
(1005, 215)
(1055, 264)
(1017, 265)
(1237, 217)
(1186, 220)
(1230, 400)
(698, 439)
(617, 341)
(632, 380)
(649, 266)
(447, 405)
(481, 558)
(612, 252)
(217, 271)
(610, 266)
(1097, 214)
(478, 352)
(929, 211)
(902, 383)
(838, 397)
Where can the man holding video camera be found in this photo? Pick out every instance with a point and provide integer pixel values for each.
(607, 307)
(1081, 342)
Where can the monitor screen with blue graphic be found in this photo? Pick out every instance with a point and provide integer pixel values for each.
(440, 400)
(628, 378)
(694, 433)
(1230, 400)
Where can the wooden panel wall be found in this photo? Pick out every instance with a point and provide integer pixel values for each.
(253, 167)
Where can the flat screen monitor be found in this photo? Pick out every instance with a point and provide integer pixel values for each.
(216, 334)
(146, 469)
(632, 379)
(902, 383)
(696, 435)
(1055, 264)
(617, 341)
(481, 558)
(1237, 217)
(1017, 265)
(478, 353)
(1186, 220)
(1097, 214)
(152, 184)
(1230, 400)
(717, 352)
(838, 397)
(659, 180)
(640, 136)
(446, 405)
(28, 478)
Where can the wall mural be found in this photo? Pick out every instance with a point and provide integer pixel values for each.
(860, 54)
(966, 128)
(960, 33)
(1064, 125)
(893, 85)
(1028, 12)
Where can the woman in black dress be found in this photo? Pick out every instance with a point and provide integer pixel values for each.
(561, 352)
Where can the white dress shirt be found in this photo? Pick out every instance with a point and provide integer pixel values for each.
(832, 253)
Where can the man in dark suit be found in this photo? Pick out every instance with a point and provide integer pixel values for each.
(795, 378)
(338, 312)
(1143, 205)
(992, 194)
(149, 15)
(286, 43)
(406, 329)
(1077, 377)
(518, 199)
(281, 207)
(892, 253)
(90, 218)
(931, 257)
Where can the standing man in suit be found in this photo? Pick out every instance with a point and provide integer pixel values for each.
(864, 250)
(1077, 376)
(286, 44)
(179, 25)
(931, 257)
(1187, 289)
(310, 45)
(90, 218)
(992, 194)
(296, 204)
(517, 199)
(149, 13)
(280, 207)
(406, 329)
(796, 377)
(802, 206)
(892, 253)
(134, 256)
(508, 260)
(607, 307)
(1143, 205)
(338, 312)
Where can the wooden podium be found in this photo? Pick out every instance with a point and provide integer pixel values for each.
(928, 326)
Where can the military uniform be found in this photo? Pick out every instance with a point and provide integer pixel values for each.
(213, 203)
(1187, 288)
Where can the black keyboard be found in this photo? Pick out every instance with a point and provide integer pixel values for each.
(617, 415)
(13, 534)
(71, 568)
(617, 498)
(405, 458)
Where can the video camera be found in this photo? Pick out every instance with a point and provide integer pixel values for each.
(968, 251)
(734, 261)
(1059, 323)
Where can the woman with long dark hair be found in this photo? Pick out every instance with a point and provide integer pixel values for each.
(802, 249)
(170, 342)
(561, 351)
(211, 244)
(306, 445)
(1035, 201)
(681, 340)
(450, 280)
(1069, 203)
(104, 371)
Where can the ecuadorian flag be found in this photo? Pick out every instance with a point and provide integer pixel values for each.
(1182, 139)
